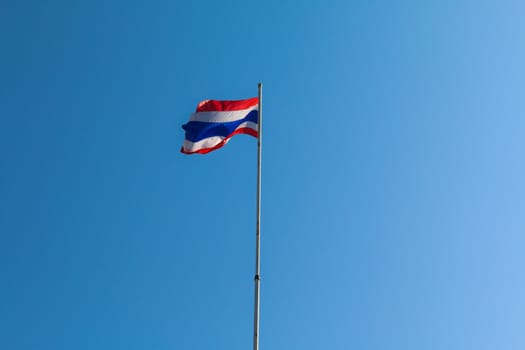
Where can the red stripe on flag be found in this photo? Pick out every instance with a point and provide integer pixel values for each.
(222, 106)
(248, 131)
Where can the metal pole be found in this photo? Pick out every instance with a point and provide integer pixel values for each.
(258, 229)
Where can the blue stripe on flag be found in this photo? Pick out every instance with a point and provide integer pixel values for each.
(196, 131)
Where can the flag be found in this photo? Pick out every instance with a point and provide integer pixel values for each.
(215, 122)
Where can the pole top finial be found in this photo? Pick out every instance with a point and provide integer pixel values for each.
(260, 84)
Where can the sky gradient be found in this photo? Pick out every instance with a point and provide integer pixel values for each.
(393, 175)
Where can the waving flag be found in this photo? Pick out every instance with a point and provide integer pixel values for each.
(215, 122)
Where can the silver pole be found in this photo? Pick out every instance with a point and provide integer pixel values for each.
(258, 229)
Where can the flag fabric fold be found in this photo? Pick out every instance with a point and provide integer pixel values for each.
(215, 122)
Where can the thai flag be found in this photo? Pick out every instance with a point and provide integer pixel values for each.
(215, 122)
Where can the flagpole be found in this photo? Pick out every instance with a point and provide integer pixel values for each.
(258, 229)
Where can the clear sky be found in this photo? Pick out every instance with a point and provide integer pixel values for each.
(393, 175)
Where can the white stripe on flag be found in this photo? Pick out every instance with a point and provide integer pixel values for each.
(221, 117)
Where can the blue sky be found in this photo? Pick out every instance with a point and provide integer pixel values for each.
(393, 175)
